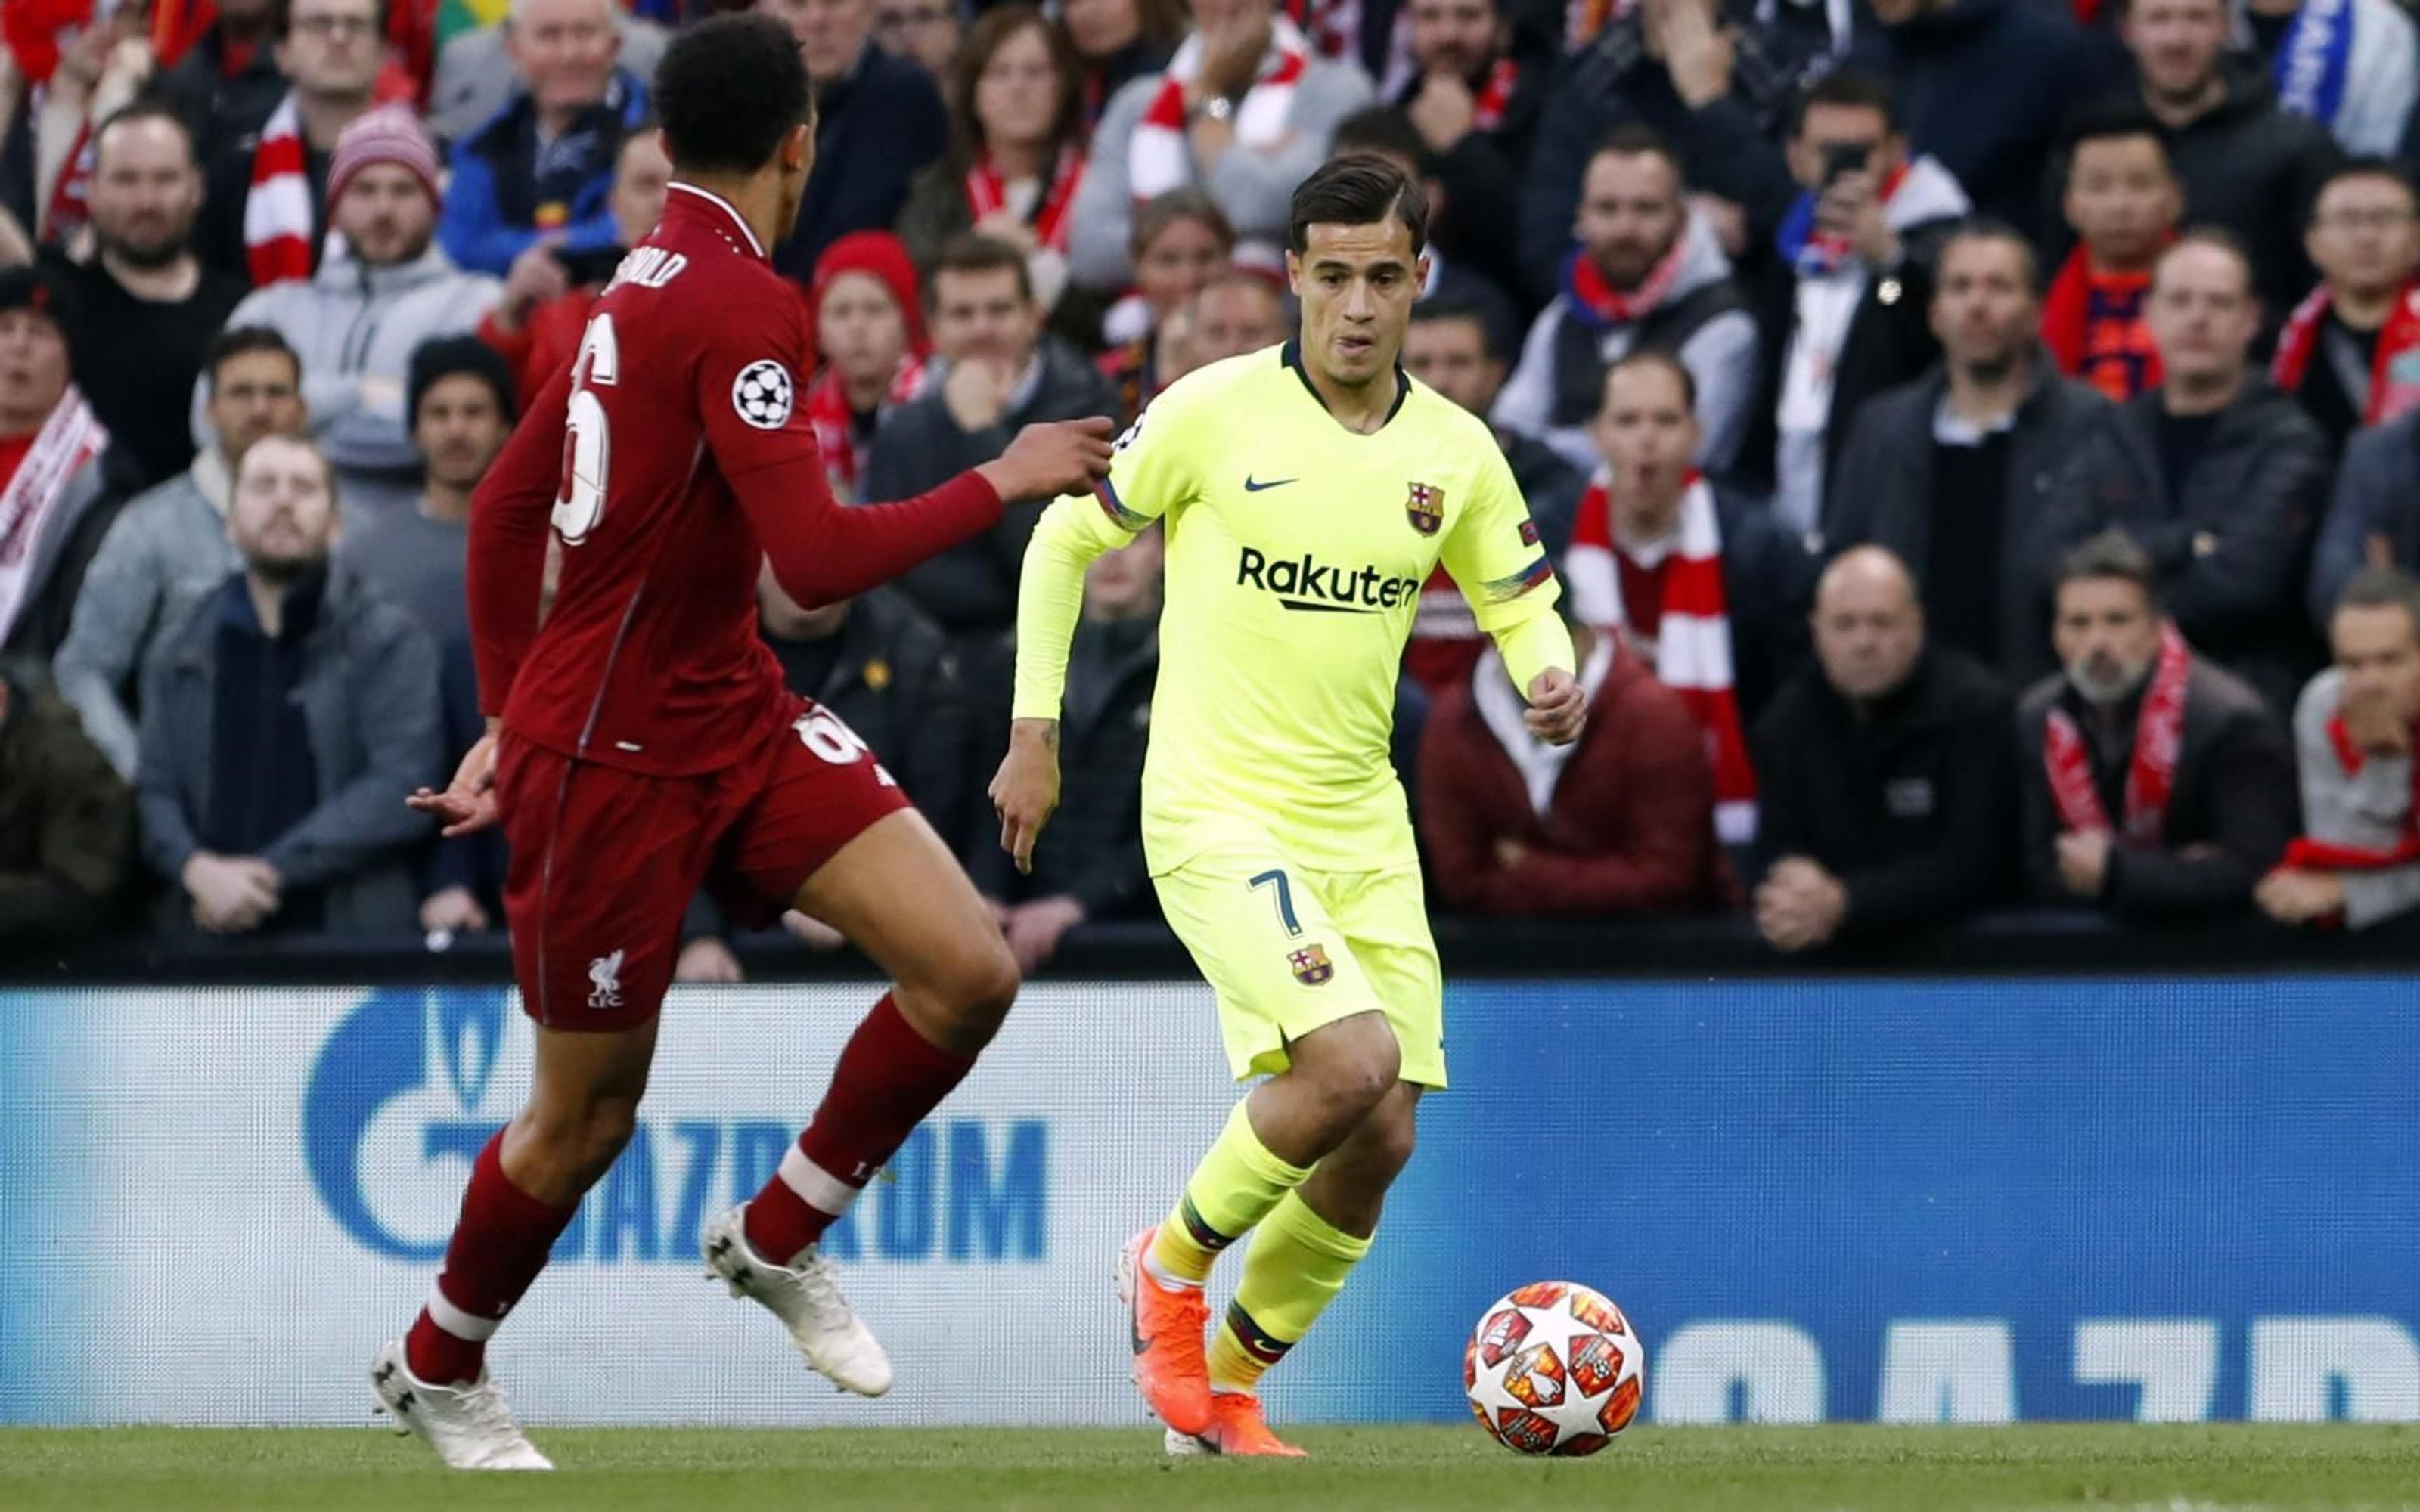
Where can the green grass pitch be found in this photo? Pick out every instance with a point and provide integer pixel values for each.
(2198, 1469)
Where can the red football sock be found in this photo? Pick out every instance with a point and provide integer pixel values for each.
(888, 1077)
(499, 1248)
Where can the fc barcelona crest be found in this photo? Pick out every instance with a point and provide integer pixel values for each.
(1425, 508)
(1312, 965)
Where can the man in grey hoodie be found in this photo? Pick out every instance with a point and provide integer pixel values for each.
(2358, 861)
(994, 370)
(383, 288)
(170, 544)
(1646, 273)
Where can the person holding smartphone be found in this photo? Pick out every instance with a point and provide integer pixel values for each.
(1845, 289)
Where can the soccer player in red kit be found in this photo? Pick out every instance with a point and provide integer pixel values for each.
(641, 744)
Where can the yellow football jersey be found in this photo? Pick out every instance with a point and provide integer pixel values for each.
(1297, 549)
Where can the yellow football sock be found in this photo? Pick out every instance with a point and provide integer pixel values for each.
(1235, 1187)
(1295, 1266)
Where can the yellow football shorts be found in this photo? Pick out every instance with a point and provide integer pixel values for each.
(1290, 950)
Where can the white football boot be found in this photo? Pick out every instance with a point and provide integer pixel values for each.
(807, 1298)
(470, 1427)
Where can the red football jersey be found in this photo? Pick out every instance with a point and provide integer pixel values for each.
(671, 458)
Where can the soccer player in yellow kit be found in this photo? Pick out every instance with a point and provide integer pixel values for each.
(1307, 491)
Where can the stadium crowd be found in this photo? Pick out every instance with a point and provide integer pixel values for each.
(1979, 439)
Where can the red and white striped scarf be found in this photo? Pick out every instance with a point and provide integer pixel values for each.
(277, 211)
(835, 427)
(70, 437)
(2394, 372)
(1497, 93)
(987, 196)
(2151, 778)
(1693, 646)
(1158, 157)
(2309, 854)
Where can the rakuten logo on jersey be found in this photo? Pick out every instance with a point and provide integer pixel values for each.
(1305, 584)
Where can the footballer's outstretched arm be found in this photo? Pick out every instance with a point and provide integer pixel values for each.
(821, 551)
(510, 519)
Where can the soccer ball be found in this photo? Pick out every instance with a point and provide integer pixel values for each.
(1554, 1369)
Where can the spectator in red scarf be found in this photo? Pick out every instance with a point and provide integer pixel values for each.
(539, 323)
(1646, 273)
(1017, 149)
(1693, 576)
(2122, 201)
(265, 209)
(2155, 786)
(1119, 41)
(56, 501)
(2351, 352)
(870, 332)
(1619, 822)
(2358, 861)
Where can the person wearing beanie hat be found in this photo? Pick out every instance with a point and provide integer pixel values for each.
(540, 172)
(869, 322)
(53, 490)
(461, 403)
(389, 134)
(547, 296)
(383, 289)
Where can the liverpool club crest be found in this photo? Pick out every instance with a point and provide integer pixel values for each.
(1426, 508)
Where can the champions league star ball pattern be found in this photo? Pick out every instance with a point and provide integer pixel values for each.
(1554, 1369)
(762, 395)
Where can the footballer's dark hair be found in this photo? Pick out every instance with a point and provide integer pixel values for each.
(1357, 189)
(728, 91)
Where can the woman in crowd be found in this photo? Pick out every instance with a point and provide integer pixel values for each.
(1016, 152)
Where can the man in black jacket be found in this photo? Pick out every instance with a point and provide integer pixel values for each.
(2245, 164)
(998, 371)
(2154, 785)
(878, 122)
(1953, 472)
(2217, 475)
(1887, 788)
(1843, 290)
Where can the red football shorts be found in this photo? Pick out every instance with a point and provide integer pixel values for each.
(604, 862)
